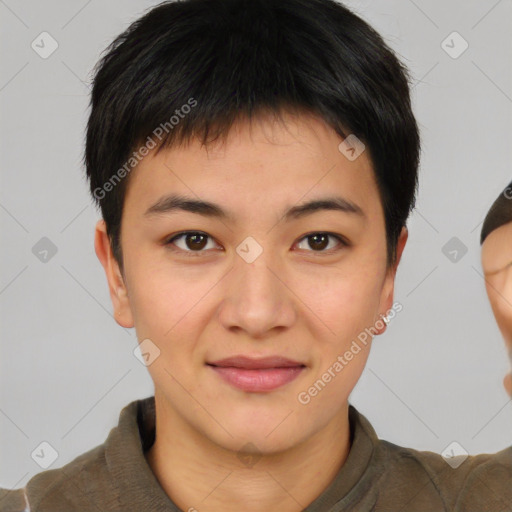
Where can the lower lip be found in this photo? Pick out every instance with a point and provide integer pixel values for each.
(258, 380)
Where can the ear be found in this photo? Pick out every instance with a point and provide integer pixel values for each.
(388, 288)
(118, 292)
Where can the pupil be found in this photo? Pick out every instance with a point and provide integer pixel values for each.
(322, 244)
(196, 242)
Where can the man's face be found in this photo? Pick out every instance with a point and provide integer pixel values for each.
(497, 267)
(253, 283)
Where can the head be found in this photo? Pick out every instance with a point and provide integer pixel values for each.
(236, 220)
(496, 242)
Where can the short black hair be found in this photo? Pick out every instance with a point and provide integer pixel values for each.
(499, 214)
(194, 67)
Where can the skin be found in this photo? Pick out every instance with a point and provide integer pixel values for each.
(294, 300)
(497, 267)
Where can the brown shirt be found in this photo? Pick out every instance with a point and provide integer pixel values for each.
(377, 476)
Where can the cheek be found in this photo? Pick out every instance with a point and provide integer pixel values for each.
(346, 303)
(361, 287)
(165, 301)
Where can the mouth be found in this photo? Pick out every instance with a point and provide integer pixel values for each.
(257, 374)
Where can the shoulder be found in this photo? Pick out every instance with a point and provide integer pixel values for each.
(489, 485)
(92, 480)
(74, 486)
(418, 480)
(13, 500)
(458, 483)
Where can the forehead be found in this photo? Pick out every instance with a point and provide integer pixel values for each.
(262, 163)
(497, 249)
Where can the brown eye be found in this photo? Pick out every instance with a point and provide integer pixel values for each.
(195, 241)
(318, 242)
(189, 242)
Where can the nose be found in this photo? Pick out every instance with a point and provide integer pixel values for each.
(258, 299)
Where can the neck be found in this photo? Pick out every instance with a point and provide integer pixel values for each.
(199, 475)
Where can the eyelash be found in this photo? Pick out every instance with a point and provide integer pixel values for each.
(191, 253)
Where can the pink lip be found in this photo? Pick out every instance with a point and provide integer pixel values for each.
(257, 374)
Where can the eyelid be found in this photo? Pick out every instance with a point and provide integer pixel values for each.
(342, 241)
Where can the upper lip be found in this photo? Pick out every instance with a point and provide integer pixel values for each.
(252, 363)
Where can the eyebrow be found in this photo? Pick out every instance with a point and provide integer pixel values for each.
(176, 202)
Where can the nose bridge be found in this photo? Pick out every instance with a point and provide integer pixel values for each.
(256, 270)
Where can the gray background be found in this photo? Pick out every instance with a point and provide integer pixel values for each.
(67, 368)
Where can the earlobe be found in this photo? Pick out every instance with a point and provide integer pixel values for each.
(117, 288)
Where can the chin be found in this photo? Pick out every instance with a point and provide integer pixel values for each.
(260, 444)
(265, 437)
